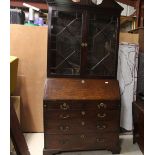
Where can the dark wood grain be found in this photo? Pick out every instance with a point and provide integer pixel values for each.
(72, 108)
(81, 110)
(103, 115)
(80, 142)
(76, 126)
(138, 119)
(64, 89)
(84, 50)
(107, 9)
(83, 104)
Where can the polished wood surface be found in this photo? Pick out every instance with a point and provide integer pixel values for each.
(80, 141)
(138, 119)
(78, 111)
(80, 125)
(86, 89)
(81, 111)
(82, 105)
(97, 115)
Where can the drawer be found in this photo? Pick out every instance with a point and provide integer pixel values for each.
(82, 105)
(101, 105)
(73, 126)
(58, 115)
(62, 105)
(81, 141)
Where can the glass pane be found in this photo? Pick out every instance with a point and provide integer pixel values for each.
(102, 45)
(65, 42)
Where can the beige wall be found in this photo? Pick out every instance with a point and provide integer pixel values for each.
(30, 45)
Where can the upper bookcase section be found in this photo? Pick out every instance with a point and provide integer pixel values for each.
(106, 4)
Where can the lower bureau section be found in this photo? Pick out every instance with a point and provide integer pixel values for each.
(109, 141)
(78, 120)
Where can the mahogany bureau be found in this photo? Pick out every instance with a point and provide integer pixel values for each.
(82, 97)
(81, 115)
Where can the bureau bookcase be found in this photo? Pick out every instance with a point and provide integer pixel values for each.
(82, 98)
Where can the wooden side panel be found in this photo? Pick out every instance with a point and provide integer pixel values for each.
(29, 44)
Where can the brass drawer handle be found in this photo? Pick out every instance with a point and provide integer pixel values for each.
(64, 116)
(64, 106)
(100, 140)
(102, 105)
(101, 127)
(101, 116)
(82, 44)
(85, 45)
(64, 128)
(83, 136)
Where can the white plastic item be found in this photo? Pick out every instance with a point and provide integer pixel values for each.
(31, 11)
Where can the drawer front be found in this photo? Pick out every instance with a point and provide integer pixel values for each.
(98, 115)
(81, 141)
(82, 105)
(79, 126)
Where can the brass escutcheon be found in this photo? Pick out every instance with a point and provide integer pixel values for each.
(101, 115)
(64, 106)
(83, 113)
(82, 44)
(82, 136)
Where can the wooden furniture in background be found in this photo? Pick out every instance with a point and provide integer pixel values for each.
(81, 114)
(140, 31)
(138, 119)
(140, 13)
(17, 136)
(138, 106)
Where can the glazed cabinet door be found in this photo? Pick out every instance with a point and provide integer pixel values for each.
(64, 42)
(82, 43)
(102, 45)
